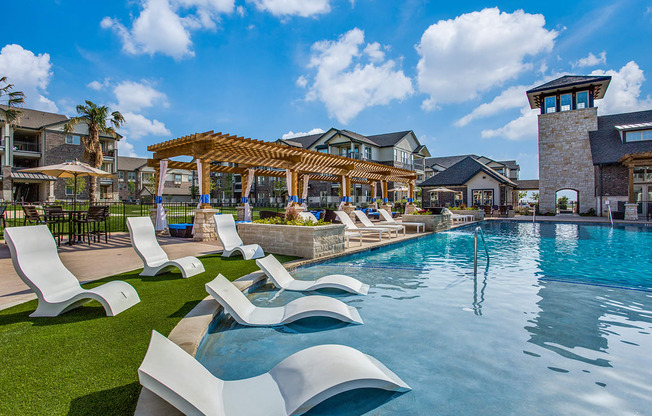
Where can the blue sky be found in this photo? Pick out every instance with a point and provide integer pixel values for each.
(456, 74)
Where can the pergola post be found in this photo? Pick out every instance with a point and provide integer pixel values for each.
(348, 190)
(205, 197)
(373, 193)
(385, 205)
(295, 187)
(410, 207)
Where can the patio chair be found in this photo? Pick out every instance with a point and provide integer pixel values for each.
(350, 226)
(56, 220)
(348, 234)
(35, 258)
(89, 223)
(31, 215)
(3, 209)
(387, 219)
(155, 260)
(330, 216)
(502, 211)
(487, 210)
(231, 241)
(282, 279)
(366, 222)
(246, 313)
(293, 386)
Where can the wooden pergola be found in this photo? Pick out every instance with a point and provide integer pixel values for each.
(259, 155)
(632, 161)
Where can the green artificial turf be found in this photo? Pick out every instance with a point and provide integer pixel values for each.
(85, 363)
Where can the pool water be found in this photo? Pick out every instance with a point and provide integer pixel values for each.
(559, 323)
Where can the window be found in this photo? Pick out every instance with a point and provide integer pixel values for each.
(639, 174)
(638, 135)
(119, 187)
(483, 197)
(121, 175)
(177, 179)
(367, 152)
(260, 180)
(551, 104)
(70, 190)
(107, 167)
(325, 150)
(396, 155)
(73, 139)
(131, 176)
(566, 101)
(582, 99)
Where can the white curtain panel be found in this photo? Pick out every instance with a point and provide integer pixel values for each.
(288, 180)
(304, 194)
(245, 197)
(161, 219)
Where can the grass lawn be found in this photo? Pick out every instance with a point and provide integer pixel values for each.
(84, 363)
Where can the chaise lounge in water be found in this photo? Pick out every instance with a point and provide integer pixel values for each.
(245, 313)
(282, 279)
(35, 258)
(350, 226)
(155, 260)
(231, 241)
(293, 386)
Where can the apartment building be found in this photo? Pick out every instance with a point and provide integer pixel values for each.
(38, 139)
(136, 182)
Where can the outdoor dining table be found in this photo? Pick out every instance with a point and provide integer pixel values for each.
(74, 233)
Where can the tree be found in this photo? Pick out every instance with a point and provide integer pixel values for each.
(535, 196)
(11, 99)
(81, 185)
(131, 187)
(99, 121)
(279, 188)
(522, 195)
(563, 202)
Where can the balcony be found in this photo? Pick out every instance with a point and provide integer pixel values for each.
(108, 153)
(21, 146)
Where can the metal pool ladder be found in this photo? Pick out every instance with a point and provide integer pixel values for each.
(478, 230)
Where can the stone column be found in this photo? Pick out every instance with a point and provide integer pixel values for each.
(205, 225)
(631, 212)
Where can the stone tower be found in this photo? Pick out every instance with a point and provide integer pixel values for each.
(567, 115)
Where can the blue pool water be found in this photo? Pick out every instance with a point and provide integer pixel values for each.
(559, 323)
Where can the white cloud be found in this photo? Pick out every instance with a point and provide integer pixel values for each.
(97, 85)
(161, 28)
(125, 148)
(137, 126)
(303, 8)
(290, 134)
(29, 73)
(242, 12)
(346, 84)
(476, 51)
(512, 97)
(524, 127)
(302, 81)
(591, 60)
(623, 94)
(134, 96)
(374, 52)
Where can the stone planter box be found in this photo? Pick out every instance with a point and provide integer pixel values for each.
(295, 240)
(433, 222)
(477, 214)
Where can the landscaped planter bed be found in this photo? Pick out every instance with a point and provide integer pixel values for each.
(295, 240)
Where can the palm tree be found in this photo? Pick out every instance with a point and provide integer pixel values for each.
(99, 122)
(13, 99)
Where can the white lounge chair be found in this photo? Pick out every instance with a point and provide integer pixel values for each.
(350, 226)
(231, 242)
(35, 258)
(293, 386)
(282, 279)
(155, 260)
(368, 224)
(387, 219)
(246, 313)
(305, 215)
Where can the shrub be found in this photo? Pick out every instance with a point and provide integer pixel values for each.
(299, 221)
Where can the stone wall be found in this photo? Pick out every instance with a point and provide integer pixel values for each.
(615, 180)
(295, 240)
(433, 222)
(477, 214)
(565, 160)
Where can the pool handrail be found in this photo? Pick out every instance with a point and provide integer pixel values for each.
(478, 230)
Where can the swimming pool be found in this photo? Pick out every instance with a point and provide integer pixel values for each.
(560, 322)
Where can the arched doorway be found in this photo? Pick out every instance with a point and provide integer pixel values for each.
(567, 201)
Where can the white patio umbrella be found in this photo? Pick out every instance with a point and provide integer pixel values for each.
(69, 170)
(441, 190)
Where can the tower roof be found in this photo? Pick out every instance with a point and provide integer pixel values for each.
(567, 83)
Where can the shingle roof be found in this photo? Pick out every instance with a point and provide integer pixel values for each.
(35, 119)
(527, 184)
(447, 161)
(510, 164)
(303, 142)
(461, 172)
(130, 163)
(388, 139)
(358, 137)
(606, 145)
(568, 81)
